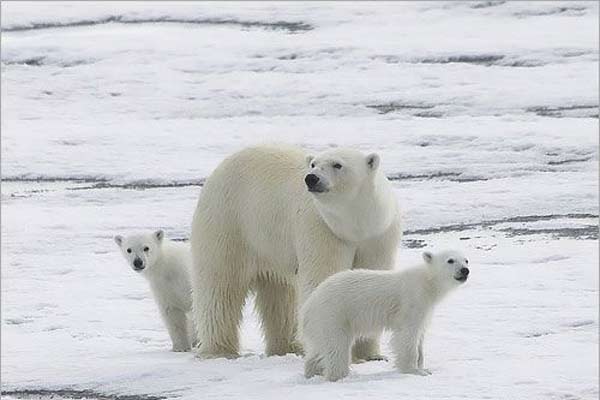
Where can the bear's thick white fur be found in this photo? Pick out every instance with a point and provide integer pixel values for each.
(257, 227)
(359, 302)
(166, 265)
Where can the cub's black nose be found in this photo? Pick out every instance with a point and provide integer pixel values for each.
(464, 271)
(138, 263)
(311, 180)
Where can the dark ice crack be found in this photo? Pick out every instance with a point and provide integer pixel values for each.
(571, 111)
(290, 27)
(73, 394)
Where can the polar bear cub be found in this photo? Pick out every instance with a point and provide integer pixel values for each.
(355, 303)
(166, 265)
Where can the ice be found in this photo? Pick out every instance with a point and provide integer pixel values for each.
(485, 115)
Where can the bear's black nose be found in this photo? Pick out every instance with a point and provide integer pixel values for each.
(464, 271)
(311, 180)
(138, 263)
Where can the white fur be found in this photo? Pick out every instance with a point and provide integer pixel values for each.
(357, 303)
(257, 227)
(166, 265)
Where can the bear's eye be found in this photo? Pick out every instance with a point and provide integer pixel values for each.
(451, 261)
(312, 165)
(337, 166)
(129, 251)
(146, 249)
(466, 261)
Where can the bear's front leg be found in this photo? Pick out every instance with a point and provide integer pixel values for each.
(421, 357)
(276, 303)
(319, 254)
(177, 326)
(405, 342)
(319, 260)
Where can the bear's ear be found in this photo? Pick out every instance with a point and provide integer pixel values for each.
(159, 235)
(428, 257)
(309, 159)
(118, 240)
(373, 161)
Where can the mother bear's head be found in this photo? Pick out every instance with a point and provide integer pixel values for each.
(340, 172)
(351, 193)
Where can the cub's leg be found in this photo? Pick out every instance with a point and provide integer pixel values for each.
(405, 341)
(336, 360)
(177, 326)
(421, 358)
(376, 253)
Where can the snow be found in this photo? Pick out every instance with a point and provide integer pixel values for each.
(486, 118)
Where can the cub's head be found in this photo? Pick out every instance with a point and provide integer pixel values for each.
(450, 266)
(141, 251)
(339, 172)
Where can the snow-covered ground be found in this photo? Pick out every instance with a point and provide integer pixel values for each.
(486, 118)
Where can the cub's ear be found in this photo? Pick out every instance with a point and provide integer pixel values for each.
(118, 240)
(428, 257)
(373, 161)
(159, 235)
(309, 159)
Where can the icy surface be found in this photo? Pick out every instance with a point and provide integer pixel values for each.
(486, 118)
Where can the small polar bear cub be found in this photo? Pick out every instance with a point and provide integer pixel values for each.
(166, 265)
(358, 303)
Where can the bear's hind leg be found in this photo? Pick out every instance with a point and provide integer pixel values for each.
(276, 303)
(367, 349)
(336, 361)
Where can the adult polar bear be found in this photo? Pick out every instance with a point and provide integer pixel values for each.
(274, 220)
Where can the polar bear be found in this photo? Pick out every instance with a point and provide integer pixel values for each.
(359, 302)
(277, 221)
(166, 265)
